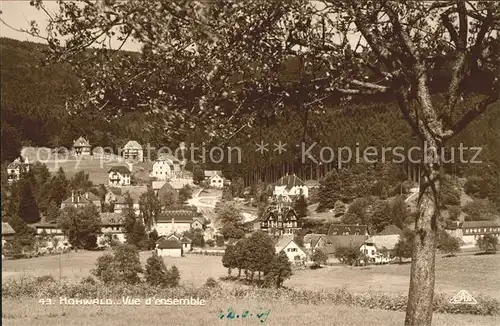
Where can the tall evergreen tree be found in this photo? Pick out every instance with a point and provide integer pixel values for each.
(59, 187)
(300, 206)
(28, 206)
(150, 208)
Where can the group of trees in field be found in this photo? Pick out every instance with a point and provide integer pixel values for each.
(257, 254)
(124, 266)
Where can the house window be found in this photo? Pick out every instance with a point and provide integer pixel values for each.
(373, 252)
(366, 251)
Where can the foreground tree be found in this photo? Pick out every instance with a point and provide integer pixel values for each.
(279, 270)
(150, 208)
(123, 266)
(230, 56)
(157, 274)
(80, 226)
(319, 258)
(449, 245)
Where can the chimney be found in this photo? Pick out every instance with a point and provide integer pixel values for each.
(87, 195)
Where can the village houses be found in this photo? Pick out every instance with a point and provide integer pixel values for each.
(119, 176)
(293, 251)
(113, 225)
(217, 181)
(133, 151)
(473, 230)
(81, 147)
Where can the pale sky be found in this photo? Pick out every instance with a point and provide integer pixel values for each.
(18, 14)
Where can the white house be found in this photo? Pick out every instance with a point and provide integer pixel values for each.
(293, 251)
(133, 151)
(55, 237)
(216, 181)
(176, 221)
(18, 166)
(473, 230)
(169, 247)
(119, 176)
(135, 193)
(387, 238)
(373, 253)
(290, 185)
(167, 167)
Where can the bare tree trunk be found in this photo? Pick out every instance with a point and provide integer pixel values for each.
(421, 292)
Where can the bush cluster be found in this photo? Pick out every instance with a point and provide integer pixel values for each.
(29, 287)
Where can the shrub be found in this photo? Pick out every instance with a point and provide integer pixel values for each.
(156, 271)
(210, 243)
(45, 279)
(211, 283)
(123, 266)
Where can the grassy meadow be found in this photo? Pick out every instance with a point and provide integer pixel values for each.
(476, 274)
(32, 313)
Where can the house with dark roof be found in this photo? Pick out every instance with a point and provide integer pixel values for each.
(473, 230)
(280, 219)
(330, 244)
(167, 193)
(348, 229)
(78, 200)
(119, 176)
(290, 185)
(16, 168)
(175, 221)
(169, 247)
(81, 146)
(133, 151)
(185, 241)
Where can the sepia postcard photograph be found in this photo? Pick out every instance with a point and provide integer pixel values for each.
(250, 162)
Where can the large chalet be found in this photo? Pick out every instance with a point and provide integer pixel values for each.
(280, 219)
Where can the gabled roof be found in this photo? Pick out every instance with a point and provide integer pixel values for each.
(115, 191)
(340, 229)
(387, 241)
(81, 142)
(337, 241)
(313, 238)
(391, 230)
(179, 216)
(481, 224)
(120, 169)
(289, 181)
(86, 198)
(186, 240)
(156, 185)
(211, 173)
(134, 191)
(132, 144)
(18, 162)
(171, 243)
(283, 241)
(168, 157)
(7, 229)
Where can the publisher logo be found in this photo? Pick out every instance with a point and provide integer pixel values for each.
(463, 297)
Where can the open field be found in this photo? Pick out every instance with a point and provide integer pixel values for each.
(476, 274)
(195, 269)
(16, 312)
(466, 272)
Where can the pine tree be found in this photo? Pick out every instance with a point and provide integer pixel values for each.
(229, 259)
(52, 214)
(156, 272)
(59, 187)
(28, 206)
(300, 206)
(173, 276)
